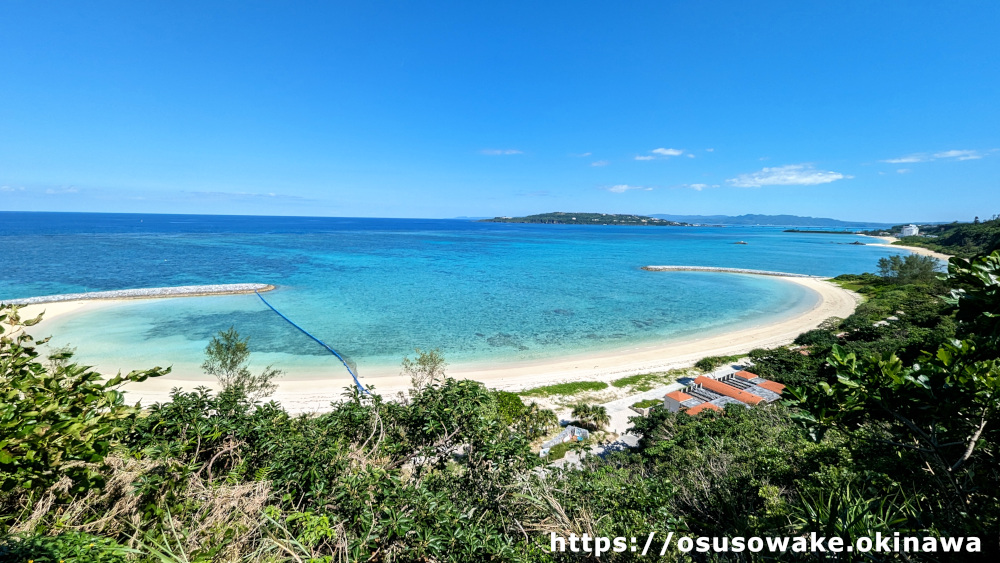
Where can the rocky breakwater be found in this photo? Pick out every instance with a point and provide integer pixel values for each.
(147, 293)
(725, 270)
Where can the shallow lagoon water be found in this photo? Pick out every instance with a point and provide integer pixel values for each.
(375, 289)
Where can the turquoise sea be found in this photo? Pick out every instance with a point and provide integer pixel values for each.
(375, 289)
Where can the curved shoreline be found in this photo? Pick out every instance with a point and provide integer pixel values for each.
(727, 271)
(890, 243)
(299, 394)
(145, 293)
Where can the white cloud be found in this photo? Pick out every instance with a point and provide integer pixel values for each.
(699, 187)
(904, 171)
(960, 155)
(662, 153)
(709, 150)
(622, 188)
(788, 175)
(689, 155)
(600, 163)
(67, 190)
(925, 157)
(11, 189)
(582, 155)
(245, 196)
(908, 159)
(498, 152)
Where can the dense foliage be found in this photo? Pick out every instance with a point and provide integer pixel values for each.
(904, 270)
(56, 422)
(893, 426)
(958, 239)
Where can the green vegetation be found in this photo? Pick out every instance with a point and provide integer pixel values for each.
(648, 403)
(530, 420)
(592, 417)
(711, 363)
(570, 388)
(646, 381)
(56, 424)
(559, 451)
(904, 270)
(847, 284)
(561, 218)
(426, 369)
(227, 358)
(892, 424)
(964, 240)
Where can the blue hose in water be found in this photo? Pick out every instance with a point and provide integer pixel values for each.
(321, 343)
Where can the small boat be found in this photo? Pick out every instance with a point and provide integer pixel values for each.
(740, 242)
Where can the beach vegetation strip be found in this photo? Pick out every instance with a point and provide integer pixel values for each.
(570, 388)
(648, 403)
(147, 293)
(642, 382)
(711, 363)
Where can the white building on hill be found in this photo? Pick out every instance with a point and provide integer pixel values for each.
(910, 231)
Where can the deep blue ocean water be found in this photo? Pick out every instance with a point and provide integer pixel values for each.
(375, 289)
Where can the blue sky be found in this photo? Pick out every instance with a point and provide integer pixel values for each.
(878, 111)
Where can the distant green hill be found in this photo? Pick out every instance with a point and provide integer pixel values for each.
(563, 218)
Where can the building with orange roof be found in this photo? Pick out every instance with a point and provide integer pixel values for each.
(727, 390)
(772, 386)
(741, 388)
(697, 409)
(679, 396)
(677, 400)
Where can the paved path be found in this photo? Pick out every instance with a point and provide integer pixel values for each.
(619, 412)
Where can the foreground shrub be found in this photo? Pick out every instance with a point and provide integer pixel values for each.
(54, 423)
(68, 546)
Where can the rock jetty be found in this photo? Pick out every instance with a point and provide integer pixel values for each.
(147, 293)
(725, 270)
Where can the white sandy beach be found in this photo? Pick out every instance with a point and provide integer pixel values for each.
(316, 394)
(914, 249)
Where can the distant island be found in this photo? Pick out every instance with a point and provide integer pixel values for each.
(562, 218)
